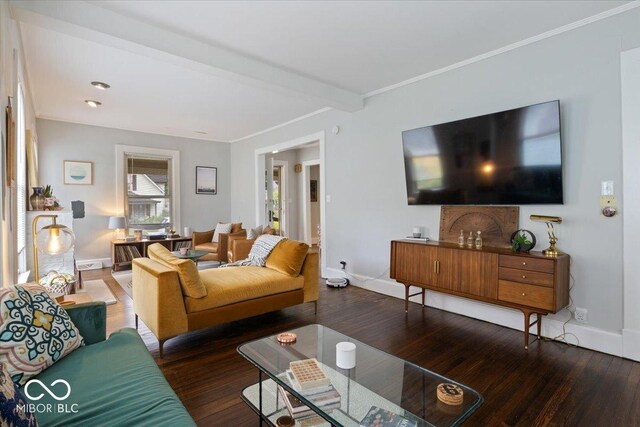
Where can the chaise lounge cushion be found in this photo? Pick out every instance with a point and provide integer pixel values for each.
(287, 257)
(114, 382)
(187, 271)
(236, 284)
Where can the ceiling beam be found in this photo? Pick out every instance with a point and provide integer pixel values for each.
(91, 22)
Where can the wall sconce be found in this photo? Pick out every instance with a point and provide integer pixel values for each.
(53, 239)
(551, 251)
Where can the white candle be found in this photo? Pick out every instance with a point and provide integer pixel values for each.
(346, 355)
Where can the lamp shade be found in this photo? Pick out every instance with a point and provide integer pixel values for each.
(54, 239)
(117, 222)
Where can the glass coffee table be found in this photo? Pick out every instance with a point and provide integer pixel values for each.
(192, 254)
(378, 380)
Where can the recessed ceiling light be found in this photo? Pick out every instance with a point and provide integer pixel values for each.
(93, 104)
(275, 151)
(100, 85)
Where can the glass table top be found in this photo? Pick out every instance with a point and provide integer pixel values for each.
(378, 380)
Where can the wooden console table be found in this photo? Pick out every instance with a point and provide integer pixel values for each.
(531, 283)
(123, 251)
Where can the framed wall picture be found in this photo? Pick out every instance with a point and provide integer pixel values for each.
(206, 180)
(78, 172)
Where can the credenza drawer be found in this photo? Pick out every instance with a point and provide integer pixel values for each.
(525, 276)
(523, 294)
(526, 263)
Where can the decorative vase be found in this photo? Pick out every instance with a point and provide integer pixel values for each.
(37, 199)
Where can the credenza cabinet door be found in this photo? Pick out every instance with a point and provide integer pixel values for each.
(469, 272)
(477, 274)
(414, 264)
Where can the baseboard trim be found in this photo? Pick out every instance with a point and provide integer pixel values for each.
(106, 262)
(631, 344)
(588, 337)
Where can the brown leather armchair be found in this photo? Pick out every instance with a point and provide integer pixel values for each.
(238, 246)
(202, 241)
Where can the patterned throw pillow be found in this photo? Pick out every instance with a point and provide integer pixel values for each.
(221, 229)
(253, 233)
(35, 332)
(11, 402)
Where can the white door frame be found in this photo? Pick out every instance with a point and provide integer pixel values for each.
(306, 200)
(284, 184)
(630, 77)
(259, 183)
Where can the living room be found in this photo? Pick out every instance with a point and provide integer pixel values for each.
(243, 89)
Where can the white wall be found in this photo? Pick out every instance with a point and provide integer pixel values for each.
(631, 218)
(10, 40)
(61, 141)
(365, 173)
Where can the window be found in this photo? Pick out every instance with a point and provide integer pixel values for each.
(148, 187)
(21, 182)
(148, 192)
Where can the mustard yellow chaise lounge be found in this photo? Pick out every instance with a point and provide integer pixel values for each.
(172, 297)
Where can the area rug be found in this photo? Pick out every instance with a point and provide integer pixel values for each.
(124, 278)
(98, 291)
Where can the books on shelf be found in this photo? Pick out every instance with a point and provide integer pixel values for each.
(179, 245)
(324, 397)
(307, 374)
(383, 418)
(126, 253)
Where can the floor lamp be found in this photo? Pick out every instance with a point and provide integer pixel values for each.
(52, 239)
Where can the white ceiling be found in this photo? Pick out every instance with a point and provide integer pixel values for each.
(234, 68)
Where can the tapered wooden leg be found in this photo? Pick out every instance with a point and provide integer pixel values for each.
(160, 347)
(527, 319)
(424, 291)
(539, 319)
(136, 321)
(406, 298)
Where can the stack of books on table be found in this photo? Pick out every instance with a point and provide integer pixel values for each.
(306, 378)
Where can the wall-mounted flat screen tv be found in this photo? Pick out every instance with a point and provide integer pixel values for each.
(512, 157)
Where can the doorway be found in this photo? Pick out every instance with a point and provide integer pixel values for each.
(312, 204)
(276, 197)
(283, 193)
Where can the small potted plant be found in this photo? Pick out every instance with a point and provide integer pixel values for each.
(522, 241)
(50, 201)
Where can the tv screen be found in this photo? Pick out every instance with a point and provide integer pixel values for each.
(512, 157)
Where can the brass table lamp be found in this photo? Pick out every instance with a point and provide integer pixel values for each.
(552, 250)
(53, 239)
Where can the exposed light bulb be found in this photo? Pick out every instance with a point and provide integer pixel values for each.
(488, 168)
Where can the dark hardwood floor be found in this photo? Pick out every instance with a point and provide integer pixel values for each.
(551, 384)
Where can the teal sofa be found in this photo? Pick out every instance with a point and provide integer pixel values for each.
(113, 382)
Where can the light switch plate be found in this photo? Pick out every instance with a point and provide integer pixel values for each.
(606, 188)
(607, 201)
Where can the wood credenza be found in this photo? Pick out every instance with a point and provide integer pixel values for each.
(531, 283)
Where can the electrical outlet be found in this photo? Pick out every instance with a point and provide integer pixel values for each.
(581, 315)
